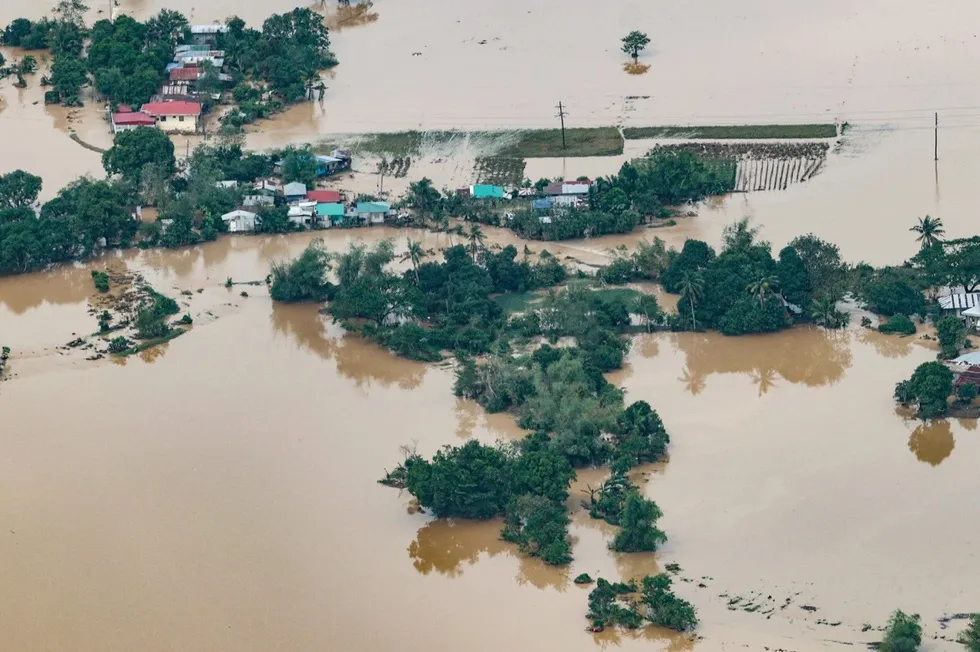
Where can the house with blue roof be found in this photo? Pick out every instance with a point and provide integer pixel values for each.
(330, 214)
(486, 191)
(372, 212)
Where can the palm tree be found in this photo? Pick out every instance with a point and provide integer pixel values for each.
(763, 287)
(414, 253)
(692, 289)
(930, 230)
(477, 241)
(824, 312)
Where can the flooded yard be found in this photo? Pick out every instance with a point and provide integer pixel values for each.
(218, 493)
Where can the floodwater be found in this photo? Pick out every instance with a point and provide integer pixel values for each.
(218, 492)
(891, 67)
(213, 495)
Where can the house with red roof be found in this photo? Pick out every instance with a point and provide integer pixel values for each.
(176, 116)
(125, 119)
(323, 196)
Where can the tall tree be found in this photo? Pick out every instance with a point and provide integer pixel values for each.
(930, 230)
(692, 288)
(634, 43)
(414, 253)
(476, 240)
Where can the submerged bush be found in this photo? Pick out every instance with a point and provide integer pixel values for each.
(898, 324)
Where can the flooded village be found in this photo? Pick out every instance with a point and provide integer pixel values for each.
(800, 314)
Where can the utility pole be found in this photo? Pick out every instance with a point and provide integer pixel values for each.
(561, 115)
(935, 139)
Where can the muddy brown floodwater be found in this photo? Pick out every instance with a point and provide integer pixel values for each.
(218, 492)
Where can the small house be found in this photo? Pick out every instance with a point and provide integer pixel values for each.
(239, 221)
(328, 165)
(323, 196)
(270, 186)
(294, 191)
(302, 213)
(972, 317)
(330, 214)
(485, 191)
(175, 117)
(252, 201)
(576, 187)
(206, 34)
(126, 119)
(372, 212)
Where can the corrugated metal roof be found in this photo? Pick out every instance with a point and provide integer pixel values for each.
(541, 203)
(294, 189)
(373, 207)
(325, 196)
(172, 108)
(331, 210)
(959, 301)
(186, 74)
(133, 118)
(481, 191)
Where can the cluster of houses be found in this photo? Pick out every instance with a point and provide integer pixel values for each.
(179, 106)
(307, 209)
(570, 194)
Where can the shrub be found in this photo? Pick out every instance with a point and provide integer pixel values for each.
(898, 324)
(101, 280)
(966, 392)
(119, 345)
(904, 633)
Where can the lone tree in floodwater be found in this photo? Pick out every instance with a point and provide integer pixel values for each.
(930, 230)
(634, 43)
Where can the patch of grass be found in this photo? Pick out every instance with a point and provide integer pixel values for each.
(758, 132)
(530, 143)
(546, 143)
(516, 301)
(618, 294)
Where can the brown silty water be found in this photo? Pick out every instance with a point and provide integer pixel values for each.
(219, 494)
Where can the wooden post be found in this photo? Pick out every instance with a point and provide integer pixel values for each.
(935, 139)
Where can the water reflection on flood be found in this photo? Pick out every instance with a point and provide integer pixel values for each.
(932, 441)
(449, 546)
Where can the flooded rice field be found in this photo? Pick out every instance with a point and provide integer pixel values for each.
(218, 492)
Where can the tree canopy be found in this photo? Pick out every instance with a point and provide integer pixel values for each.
(928, 389)
(134, 149)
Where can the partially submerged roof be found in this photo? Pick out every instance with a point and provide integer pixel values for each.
(968, 359)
